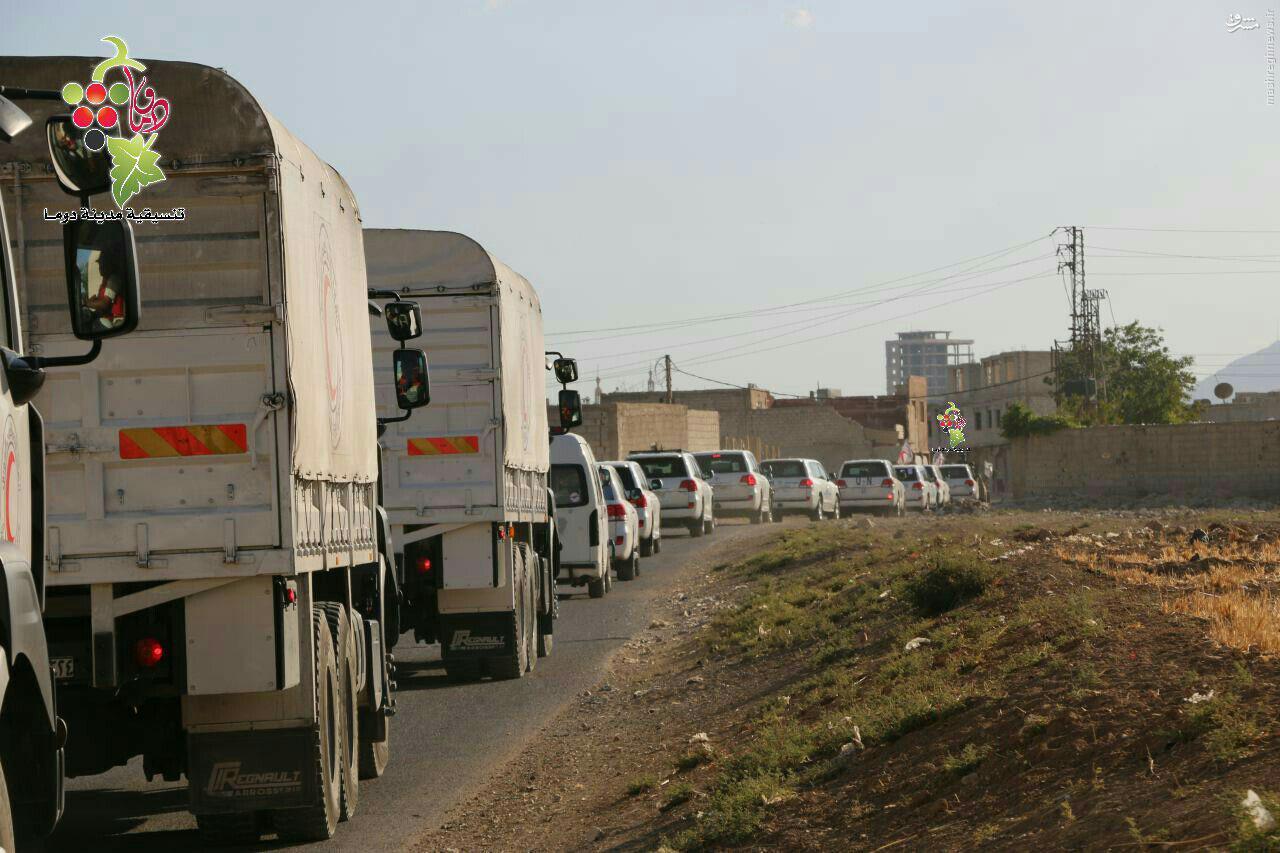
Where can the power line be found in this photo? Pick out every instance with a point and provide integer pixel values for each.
(1185, 230)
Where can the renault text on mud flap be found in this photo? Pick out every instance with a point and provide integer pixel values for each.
(463, 639)
(226, 780)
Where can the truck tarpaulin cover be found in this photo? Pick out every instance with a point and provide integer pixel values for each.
(326, 313)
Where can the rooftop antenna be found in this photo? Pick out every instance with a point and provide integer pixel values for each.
(1223, 390)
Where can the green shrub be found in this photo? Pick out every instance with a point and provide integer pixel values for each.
(949, 581)
(1019, 421)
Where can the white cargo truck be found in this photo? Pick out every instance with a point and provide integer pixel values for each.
(32, 737)
(214, 564)
(465, 480)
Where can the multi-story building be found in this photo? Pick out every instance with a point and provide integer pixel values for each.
(983, 392)
(927, 354)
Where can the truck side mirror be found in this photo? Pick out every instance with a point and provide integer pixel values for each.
(81, 172)
(566, 370)
(102, 278)
(413, 382)
(12, 120)
(570, 409)
(404, 320)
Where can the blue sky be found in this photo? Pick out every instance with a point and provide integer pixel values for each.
(648, 163)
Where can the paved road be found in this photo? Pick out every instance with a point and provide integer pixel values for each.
(446, 738)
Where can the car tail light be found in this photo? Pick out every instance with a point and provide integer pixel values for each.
(641, 501)
(806, 483)
(918, 486)
(616, 511)
(641, 521)
(424, 565)
(148, 652)
(689, 486)
(889, 496)
(618, 540)
(748, 479)
(887, 482)
(841, 483)
(969, 483)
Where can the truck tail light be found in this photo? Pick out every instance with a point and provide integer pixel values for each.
(806, 483)
(887, 482)
(841, 484)
(689, 486)
(148, 652)
(616, 511)
(748, 479)
(918, 486)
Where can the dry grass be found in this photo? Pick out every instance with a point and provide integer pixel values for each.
(1231, 584)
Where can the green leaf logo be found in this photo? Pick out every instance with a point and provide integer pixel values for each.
(133, 166)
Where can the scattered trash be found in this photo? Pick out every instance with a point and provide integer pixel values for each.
(1197, 698)
(884, 594)
(1258, 813)
(912, 645)
(700, 737)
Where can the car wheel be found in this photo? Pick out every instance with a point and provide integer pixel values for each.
(709, 524)
(818, 514)
(627, 568)
(696, 528)
(646, 547)
(835, 510)
(657, 543)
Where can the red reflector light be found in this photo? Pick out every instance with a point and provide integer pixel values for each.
(969, 483)
(424, 564)
(290, 595)
(886, 482)
(918, 486)
(807, 483)
(841, 484)
(748, 479)
(689, 486)
(618, 540)
(148, 652)
(616, 511)
(502, 532)
(715, 455)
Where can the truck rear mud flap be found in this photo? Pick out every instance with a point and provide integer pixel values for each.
(248, 771)
(477, 635)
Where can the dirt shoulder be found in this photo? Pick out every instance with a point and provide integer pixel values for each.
(1081, 680)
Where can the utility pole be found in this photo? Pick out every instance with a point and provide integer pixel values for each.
(666, 359)
(1085, 343)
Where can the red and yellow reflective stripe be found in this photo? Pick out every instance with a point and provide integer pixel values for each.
(444, 445)
(158, 442)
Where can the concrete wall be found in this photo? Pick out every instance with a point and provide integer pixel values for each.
(615, 429)
(816, 431)
(716, 399)
(1245, 406)
(1200, 460)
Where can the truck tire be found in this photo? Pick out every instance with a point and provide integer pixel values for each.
(6, 816)
(239, 828)
(346, 654)
(318, 822)
(516, 663)
(547, 621)
(627, 568)
(374, 754)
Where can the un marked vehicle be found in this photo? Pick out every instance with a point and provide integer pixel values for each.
(686, 496)
(870, 484)
(645, 500)
(215, 582)
(465, 485)
(802, 485)
(32, 736)
(741, 489)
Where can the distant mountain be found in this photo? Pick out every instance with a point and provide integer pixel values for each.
(1259, 371)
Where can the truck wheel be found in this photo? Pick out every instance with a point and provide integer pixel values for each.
(516, 663)
(6, 816)
(346, 654)
(547, 623)
(697, 528)
(319, 821)
(627, 568)
(238, 828)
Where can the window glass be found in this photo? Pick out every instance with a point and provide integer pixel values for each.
(865, 469)
(906, 473)
(625, 476)
(663, 466)
(784, 468)
(721, 463)
(569, 482)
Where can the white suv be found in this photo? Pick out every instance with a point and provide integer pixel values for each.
(964, 486)
(870, 484)
(648, 507)
(802, 485)
(919, 490)
(740, 487)
(686, 497)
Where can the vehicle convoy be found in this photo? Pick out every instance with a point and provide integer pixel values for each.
(920, 490)
(465, 487)
(582, 517)
(686, 496)
(216, 578)
(624, 525)
(870, 484)
(802, 485)
(32, 736)
(741, 489)
(645, 500)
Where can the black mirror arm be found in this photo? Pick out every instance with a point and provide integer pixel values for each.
(13, 92)
(379, 293)
(42, 361)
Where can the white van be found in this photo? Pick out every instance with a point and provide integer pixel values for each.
(582, 518)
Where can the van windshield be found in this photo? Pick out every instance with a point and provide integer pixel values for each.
(569, 482)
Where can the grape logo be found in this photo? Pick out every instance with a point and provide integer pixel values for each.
(951, 421)
(331, 323)
(125, 115)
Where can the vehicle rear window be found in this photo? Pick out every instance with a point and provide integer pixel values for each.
(785, 468)
(609, 494)
(722, 463)
(569, 482)
(865, 469)
(956, 472)
(625, 476)
(664, 466)
(907, 474)
(928, 475)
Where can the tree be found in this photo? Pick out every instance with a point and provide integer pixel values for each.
(1020, 421)
(1139, 381)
